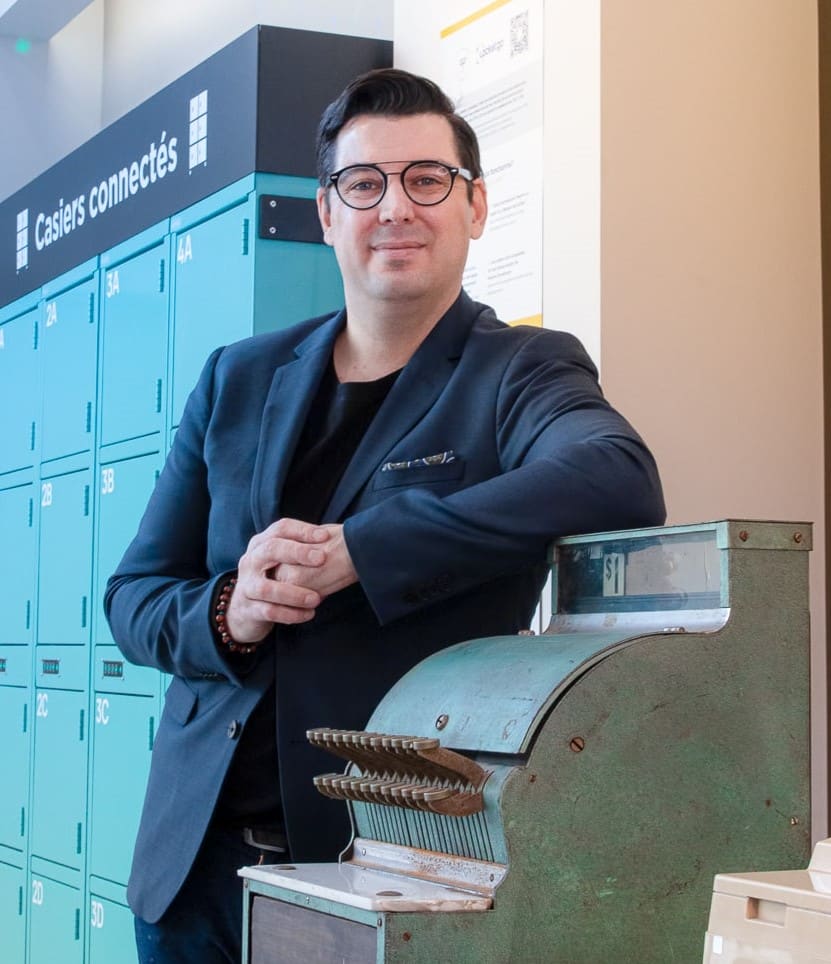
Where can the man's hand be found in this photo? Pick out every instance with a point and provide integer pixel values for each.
(262, 595)
(286, 572)
(334, 573)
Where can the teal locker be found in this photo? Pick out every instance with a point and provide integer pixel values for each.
(17, 569)
(12, 913)
(213, 298)
(15, 714)
(124, 486)
(122, 740)
(111, 934)
(59, 777)
(69, 348)
(65, 558)
(134, 294)
(19, 386)
(55, 931)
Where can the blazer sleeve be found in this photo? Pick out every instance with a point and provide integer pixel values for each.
(158, 601)
(571, 464)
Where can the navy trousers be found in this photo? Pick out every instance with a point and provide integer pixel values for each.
(203, 925)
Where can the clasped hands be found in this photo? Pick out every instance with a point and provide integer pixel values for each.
(284, 575)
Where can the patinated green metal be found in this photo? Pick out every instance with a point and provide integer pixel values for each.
(631, 764)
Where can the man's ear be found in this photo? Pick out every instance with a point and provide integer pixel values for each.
(324, 213)
(479, 206)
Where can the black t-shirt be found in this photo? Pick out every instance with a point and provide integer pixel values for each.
(337, 421)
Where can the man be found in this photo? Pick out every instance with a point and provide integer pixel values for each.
(342, 499)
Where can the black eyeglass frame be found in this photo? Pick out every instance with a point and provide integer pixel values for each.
(386, 175)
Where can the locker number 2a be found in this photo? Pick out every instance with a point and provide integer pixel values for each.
(37, 892)
(51, 313)
(112, 284)
(42, 705)
(107, 481)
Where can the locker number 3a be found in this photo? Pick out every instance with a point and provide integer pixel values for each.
(96, 918)
(107, 481)
(112, 284)
(102, 710)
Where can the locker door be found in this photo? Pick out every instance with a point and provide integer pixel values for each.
(59, 776)
(134, 346)
(122, 742)
(19, 391)
(17, 565)
(65, 570)
(69, 350)
(124, 488)
(14, 732)
(12, 913)
(55, 922)
(112, 936)
(213, 293)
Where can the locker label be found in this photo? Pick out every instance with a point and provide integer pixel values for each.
(43, 705)
(107, 481)
(96, 914)
(113, 287)
(2, 337)
(51, 313)
(37, 892)
(46, 494)
(102, 710)
(185, 250)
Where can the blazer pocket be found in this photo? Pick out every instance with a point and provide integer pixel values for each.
(419, 475)
(180, 701)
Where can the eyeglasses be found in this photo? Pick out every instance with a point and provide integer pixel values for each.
(362, 186)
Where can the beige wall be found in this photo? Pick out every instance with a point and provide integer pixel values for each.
(711, 323)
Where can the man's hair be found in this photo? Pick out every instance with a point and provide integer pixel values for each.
(389, 92)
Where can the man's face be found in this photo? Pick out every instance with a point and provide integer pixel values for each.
(399, 251)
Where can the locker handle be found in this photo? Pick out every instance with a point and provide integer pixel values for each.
(81, 728)
(86, 500)
(77, 922)
(25, 717)
(161, 275)
(91, 307)
(31, 512)
(78, 839)
(50, 667)
(22, 821)
(28, 614)
(151, 735)
(158, 395)
(83, 612)
(35, 336)
(89, 417)
(2, 664)
(32, 438)
(20, 901)
(246, 230)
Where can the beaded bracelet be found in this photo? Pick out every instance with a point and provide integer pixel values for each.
(221, 625)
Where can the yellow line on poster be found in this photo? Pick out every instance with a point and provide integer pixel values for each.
(476, 15)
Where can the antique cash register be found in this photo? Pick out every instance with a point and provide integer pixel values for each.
(569, 797)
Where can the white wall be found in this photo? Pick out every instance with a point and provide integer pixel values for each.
(117, 53)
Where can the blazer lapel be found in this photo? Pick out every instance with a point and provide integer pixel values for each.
(284, 414)
(416, 389)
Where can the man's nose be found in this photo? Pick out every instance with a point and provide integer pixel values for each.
(395, 205)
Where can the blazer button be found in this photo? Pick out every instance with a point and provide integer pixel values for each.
(233, 730)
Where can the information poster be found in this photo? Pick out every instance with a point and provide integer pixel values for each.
(492, 68)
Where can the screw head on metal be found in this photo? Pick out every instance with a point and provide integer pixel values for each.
(577, 744)
(797, 537)
(272, 203)
(743, 535)
(272, 230)
(442, 721)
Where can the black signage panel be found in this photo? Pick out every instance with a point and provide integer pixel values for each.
(253, 106)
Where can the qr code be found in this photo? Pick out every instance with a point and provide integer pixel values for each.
(519, 33)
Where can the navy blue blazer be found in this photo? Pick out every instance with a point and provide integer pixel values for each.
(445, 551)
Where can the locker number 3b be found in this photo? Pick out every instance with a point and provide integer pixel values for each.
(107, 481)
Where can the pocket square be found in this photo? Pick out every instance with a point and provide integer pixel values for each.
(440, 458)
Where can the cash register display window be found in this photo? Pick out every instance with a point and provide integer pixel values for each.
(674, 572)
